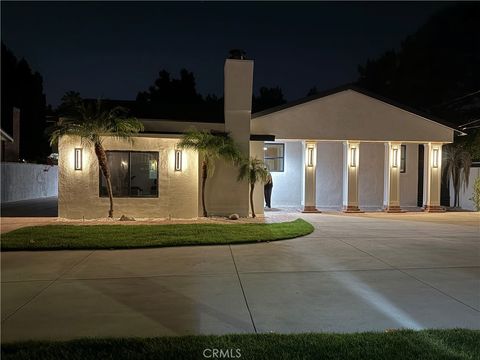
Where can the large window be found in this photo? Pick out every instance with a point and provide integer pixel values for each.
(403, 158)
(274, 157)
(133, 174)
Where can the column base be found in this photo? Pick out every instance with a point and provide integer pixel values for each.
(310, 209)
(433, 209)
(351, 209)
(393, 209)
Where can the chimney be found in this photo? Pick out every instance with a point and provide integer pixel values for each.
(238, 98)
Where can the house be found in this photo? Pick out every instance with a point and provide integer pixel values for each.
(10, 151)
(344, 149)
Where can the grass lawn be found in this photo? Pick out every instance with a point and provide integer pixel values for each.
(401, 345)
(60, 237)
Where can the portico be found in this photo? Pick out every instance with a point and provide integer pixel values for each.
(357, 152)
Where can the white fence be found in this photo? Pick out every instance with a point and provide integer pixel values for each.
(465, 196)
(28, 181)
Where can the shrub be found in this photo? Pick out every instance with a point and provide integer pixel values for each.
(476, 194)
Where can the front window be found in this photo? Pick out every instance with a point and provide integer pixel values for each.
(132, 174)
(274, 157)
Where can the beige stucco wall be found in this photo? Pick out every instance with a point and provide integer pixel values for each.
(349, 115)
(78, 191)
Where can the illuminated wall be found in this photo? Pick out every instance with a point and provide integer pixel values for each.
(78, 190)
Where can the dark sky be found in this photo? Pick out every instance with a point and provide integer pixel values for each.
(113, 50)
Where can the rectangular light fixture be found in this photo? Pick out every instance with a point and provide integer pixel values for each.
(435, 158)
(310, 154)
(178, 160)
(395, 158)
(78, 159)
(353, 157)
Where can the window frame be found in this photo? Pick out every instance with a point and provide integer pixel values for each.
(278, 157)
(403, 159)
(130, 176)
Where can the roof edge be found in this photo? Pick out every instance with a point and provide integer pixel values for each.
(363, 92)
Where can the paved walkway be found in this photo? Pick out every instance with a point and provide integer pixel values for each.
(354, 273)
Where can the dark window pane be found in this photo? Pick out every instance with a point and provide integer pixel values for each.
(143, 172)
(274, 157)
(118, 165)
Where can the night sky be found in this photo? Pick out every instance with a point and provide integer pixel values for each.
(113, 50)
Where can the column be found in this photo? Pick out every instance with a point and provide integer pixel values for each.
(351, 156)
(432, 178)
(310, 164)
(391, 193)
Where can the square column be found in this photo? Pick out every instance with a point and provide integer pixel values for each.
(432, 178)
(310, 181)
(351, 156)
(391, 189)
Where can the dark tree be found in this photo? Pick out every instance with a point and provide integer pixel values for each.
(437, 64)
(267, 98)
(167, 90)
(436, 69)
(23, 89)
(312, 91)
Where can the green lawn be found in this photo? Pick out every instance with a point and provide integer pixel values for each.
(59, 237)
(401, 345)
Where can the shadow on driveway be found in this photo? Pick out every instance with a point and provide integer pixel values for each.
(43, 207)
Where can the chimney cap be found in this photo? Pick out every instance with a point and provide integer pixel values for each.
(237, 54)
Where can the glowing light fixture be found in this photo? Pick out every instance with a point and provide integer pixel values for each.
(435, 158)
(353, 157)
(178, 160)
(78, 159)
(395, 158)
(310, 154)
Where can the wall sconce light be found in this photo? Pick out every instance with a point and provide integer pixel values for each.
(435, 158)
(395, 158)
(178, 160)
(310, 154)
(353, 157)
(78, 159)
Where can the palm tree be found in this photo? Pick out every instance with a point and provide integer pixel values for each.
(92, 122)
(457, 167)
(210, 147)
(253, 170)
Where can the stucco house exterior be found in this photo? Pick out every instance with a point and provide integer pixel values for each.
(344, 149)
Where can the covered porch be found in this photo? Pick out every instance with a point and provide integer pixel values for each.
(352, 151)
(354, 176)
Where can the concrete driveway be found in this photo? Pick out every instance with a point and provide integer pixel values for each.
(354, 273)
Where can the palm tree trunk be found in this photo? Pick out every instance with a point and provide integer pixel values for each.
(204, 181)
(102, 161)
(252, 187)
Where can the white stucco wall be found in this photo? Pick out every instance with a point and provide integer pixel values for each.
(287, 185)
(79, 190)
(371, 174)
(466, 194)
(287, 189)
(329, 174)
(409, 179)
(28, 181)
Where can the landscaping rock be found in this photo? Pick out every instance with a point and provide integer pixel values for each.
(234, 217)
(126, 218)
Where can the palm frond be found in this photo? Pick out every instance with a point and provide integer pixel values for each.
(90, 121)
(253, 170)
